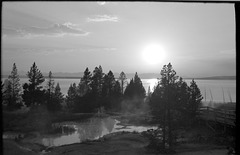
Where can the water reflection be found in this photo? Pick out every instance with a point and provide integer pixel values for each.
(90, 129)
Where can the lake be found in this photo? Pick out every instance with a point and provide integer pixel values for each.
(71, 132)
(212, 90)
(90, 129)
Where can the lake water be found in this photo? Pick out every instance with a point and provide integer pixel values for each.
(76, 132)
(212, 90)
(90, 129)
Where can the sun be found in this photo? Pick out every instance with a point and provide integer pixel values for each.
(153, 54)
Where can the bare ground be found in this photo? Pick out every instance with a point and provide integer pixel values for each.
(118, 143)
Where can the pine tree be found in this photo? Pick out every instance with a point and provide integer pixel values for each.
(71, 96)
(108, 84)
(35, 77)
(13, 90)
(97, 82)
(134, 95)
(117, 90)
(116, 97)
(58, 94)
(82, 88)
(181, 105)
(135, 88)
(6, 93)
(57, 98)
(183, 95)
(163, 100)
(168, 82)
(173, 102)
(32, 91)
(87, 76)
(84, 84)
(139, 89)
(108, 90)
(129, 91)
(195, 99)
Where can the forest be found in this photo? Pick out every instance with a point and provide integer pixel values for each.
(172, 101)
(96, 91)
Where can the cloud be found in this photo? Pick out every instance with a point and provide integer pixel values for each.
(100, 49)
(56, 50)
(101, 3)
(103, 18)
(69, 24)
(10, 32)
(54, 30)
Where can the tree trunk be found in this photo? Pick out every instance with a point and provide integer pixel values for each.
(164, 126)
(169, 129)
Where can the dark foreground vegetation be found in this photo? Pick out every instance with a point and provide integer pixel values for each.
(173, 106)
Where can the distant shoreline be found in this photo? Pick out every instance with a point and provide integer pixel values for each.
(214, 78)
(200, 78)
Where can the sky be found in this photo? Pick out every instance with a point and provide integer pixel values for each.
(198, 39)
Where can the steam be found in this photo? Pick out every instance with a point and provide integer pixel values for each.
(135, 105)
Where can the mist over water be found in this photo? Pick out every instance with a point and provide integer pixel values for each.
(90, 129)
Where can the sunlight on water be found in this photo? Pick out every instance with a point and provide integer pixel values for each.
(152, 83)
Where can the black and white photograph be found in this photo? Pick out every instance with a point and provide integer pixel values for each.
(118, 78)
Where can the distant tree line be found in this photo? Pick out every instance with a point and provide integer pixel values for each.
(95, 92)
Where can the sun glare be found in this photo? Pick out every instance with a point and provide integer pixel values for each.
(153, 54)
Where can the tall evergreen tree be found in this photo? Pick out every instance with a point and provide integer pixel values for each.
(33, 93)
(163, 100)
(108, 90)
(172, 101)
(71, 96)
(168, 82)
(87, 76)
(134, 95)
(35, 77)
(97, 82)
(180, 107)
(195, 99)
(58, 94)
(183, 95)
(108, 84)
(6, 93)
(135, 88)
(129, 91)
(13, 90)
(139, 89)
(117, 90)
(84, 84)
(57, 99)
